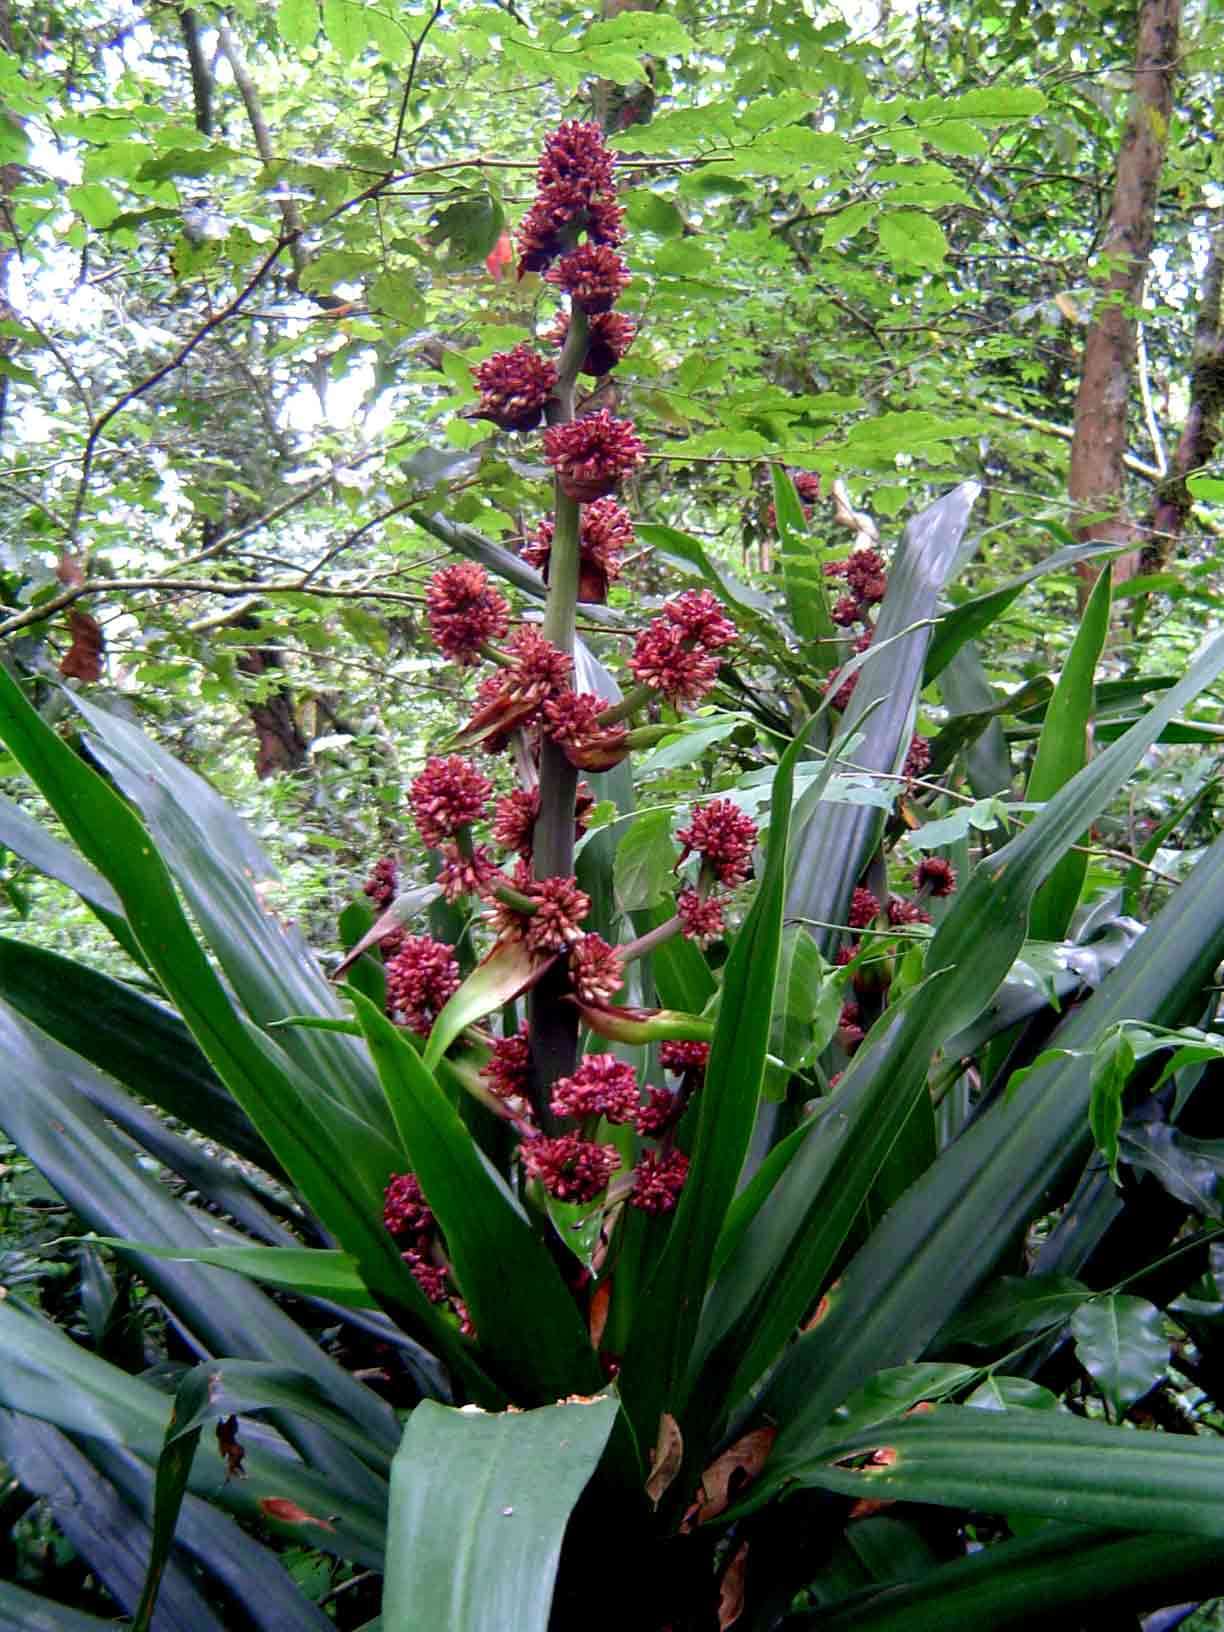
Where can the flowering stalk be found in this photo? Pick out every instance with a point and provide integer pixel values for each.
(554, 1024)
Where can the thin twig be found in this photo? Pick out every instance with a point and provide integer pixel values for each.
(417, 46)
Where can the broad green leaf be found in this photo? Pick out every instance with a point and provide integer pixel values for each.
(910, 238)
(297, 21)
(892, 1393)
(1189, 1169)
(31, 841)
(525, 1317)
(22, 1611)
(94, 203)
(801, 575)
(479, 1508)
(1000, 1393)
(1013, 1305)
(644, 871)
(1119, 1343)
(1063, 750)
(1113, 1062)
(345, 26)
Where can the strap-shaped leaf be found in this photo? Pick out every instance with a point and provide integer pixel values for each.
(833, 846)
(787, 1250)
(1047, 1463)
(479, 1506)
(303, 1128)
(521, 1309)
(1063, 1569)
(652, 1378)
(941, 1240)
(44, 1374)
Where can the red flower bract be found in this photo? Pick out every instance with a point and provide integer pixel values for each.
(663, 659)
(593, 276)
(601, 1086)
(570, 1168)
(420, 979)
(596, 969)
(514, 819)
(723, 836)
(593, 454)
(661, 1111)
(447, 796)
(658, 1180)
(681, 1056)
(466, 875)
(606, 532)
(463, 611)
(514, 386)
(901, 912)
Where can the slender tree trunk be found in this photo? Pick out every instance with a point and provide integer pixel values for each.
(1098, 447)
(1204, 422)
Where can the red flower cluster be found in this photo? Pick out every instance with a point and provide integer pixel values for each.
(682, 1057)
(431, 1278)
(515, 694)
(572, 721)
(850, 1032)
(560, 907)
(575, 190)
(866, 581)
(701, 919)
(446, 797)
(405, 1210)
(597, 970)
(605, 534)
(864, 909)
(608, 339)
(676, 654)
(514, 388)
(723, 837)
(381, 884)
(601, 1086)
(807, 486)
(570, 1168)
(420, 980)
(917, 757)
(464, 613)
(461, 875)
(593, 455)
(935, 876)
(660, 1113)
(508, 1071)
(514, 819)
(901, 912)
(593, 276)
(844, 691)
(658, 1180)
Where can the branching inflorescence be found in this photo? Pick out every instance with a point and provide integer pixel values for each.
(514, 853)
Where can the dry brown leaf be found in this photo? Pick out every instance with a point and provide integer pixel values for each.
(665, 1459)
(729, 1475)
(280, 1507)
(601, 1300)
(731, 1590)
(83, 659)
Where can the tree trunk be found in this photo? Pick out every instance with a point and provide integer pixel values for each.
(1204, 418)
(1099, 443)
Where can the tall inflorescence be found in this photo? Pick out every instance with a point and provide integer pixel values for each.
(513, 851)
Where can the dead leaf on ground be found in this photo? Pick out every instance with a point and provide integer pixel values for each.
(731, 1589)
(729, 1475)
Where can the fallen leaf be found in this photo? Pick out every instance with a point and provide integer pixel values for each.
(83, 659)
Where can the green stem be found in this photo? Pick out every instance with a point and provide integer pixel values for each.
(629, 704)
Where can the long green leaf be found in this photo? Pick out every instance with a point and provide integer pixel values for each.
(44, 1374)
(304, 1130)
(225, 875)
(802, 577)
(652, 1378)
(140, 1042)
(1062, 750)
(788, 1248)
(835, 843)
(525, 1317)
(22, 1611)
(1047, 1463)
(938, 1244)
(479, 1507)
(314, 1271)
(1069, 1568)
